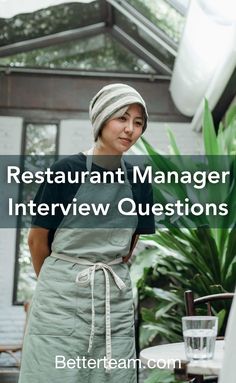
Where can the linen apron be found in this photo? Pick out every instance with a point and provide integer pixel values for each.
(83, 302)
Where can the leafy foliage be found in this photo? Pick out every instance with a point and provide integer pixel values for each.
(177, 259)
(86, 53)
(163, 15)
(48, 21)
(161, 376)
(90, 53)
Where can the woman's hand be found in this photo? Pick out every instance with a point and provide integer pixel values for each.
(132, 246)
(39, 248)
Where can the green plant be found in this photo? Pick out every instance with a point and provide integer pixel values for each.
(202, 258)
(161, 376)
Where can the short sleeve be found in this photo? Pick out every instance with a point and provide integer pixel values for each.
(58, 193)
(49, 193)
(143, 194)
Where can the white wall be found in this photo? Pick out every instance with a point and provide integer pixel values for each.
(11, 317)
(188, 141)
(75, 136)
(10, 144)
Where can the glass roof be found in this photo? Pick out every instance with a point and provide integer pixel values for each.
(163, 15)
(141, 36)
(145, 37)
(10, 8)
(91, 53)
(47, 21)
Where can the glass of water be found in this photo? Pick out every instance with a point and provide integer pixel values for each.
(199, 336)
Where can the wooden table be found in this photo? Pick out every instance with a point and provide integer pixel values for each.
(163, 356)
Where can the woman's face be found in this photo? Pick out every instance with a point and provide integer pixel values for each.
(120, 133)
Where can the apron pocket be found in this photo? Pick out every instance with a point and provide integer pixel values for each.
(53, 309)
(38, 327)
(120, 237)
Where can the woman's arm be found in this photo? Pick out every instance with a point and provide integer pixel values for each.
(133, 244)
(39, 248)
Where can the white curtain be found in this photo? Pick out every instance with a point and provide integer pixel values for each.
(228, 369)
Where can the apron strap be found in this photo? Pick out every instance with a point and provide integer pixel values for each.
(89, 161)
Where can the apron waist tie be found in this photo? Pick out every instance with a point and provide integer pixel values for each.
(87, 276)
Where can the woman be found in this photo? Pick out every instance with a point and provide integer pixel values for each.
(81, 322)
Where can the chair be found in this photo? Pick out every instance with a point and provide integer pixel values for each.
(13, 349)
(191, 304)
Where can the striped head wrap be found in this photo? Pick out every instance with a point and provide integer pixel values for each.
(110, 99)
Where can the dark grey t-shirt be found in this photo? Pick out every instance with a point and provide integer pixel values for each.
(64, 193)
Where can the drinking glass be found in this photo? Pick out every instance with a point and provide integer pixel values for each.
(199, 336)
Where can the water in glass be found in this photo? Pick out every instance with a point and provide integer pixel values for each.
(199, 343)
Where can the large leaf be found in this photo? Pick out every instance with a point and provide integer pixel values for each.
(161, 329)
(162, 294)
(221, 317)
(230, 252)
(161, 376)
(230, 116)
(209, 133)
(147, 335)
(174, 147)
(163, 309)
